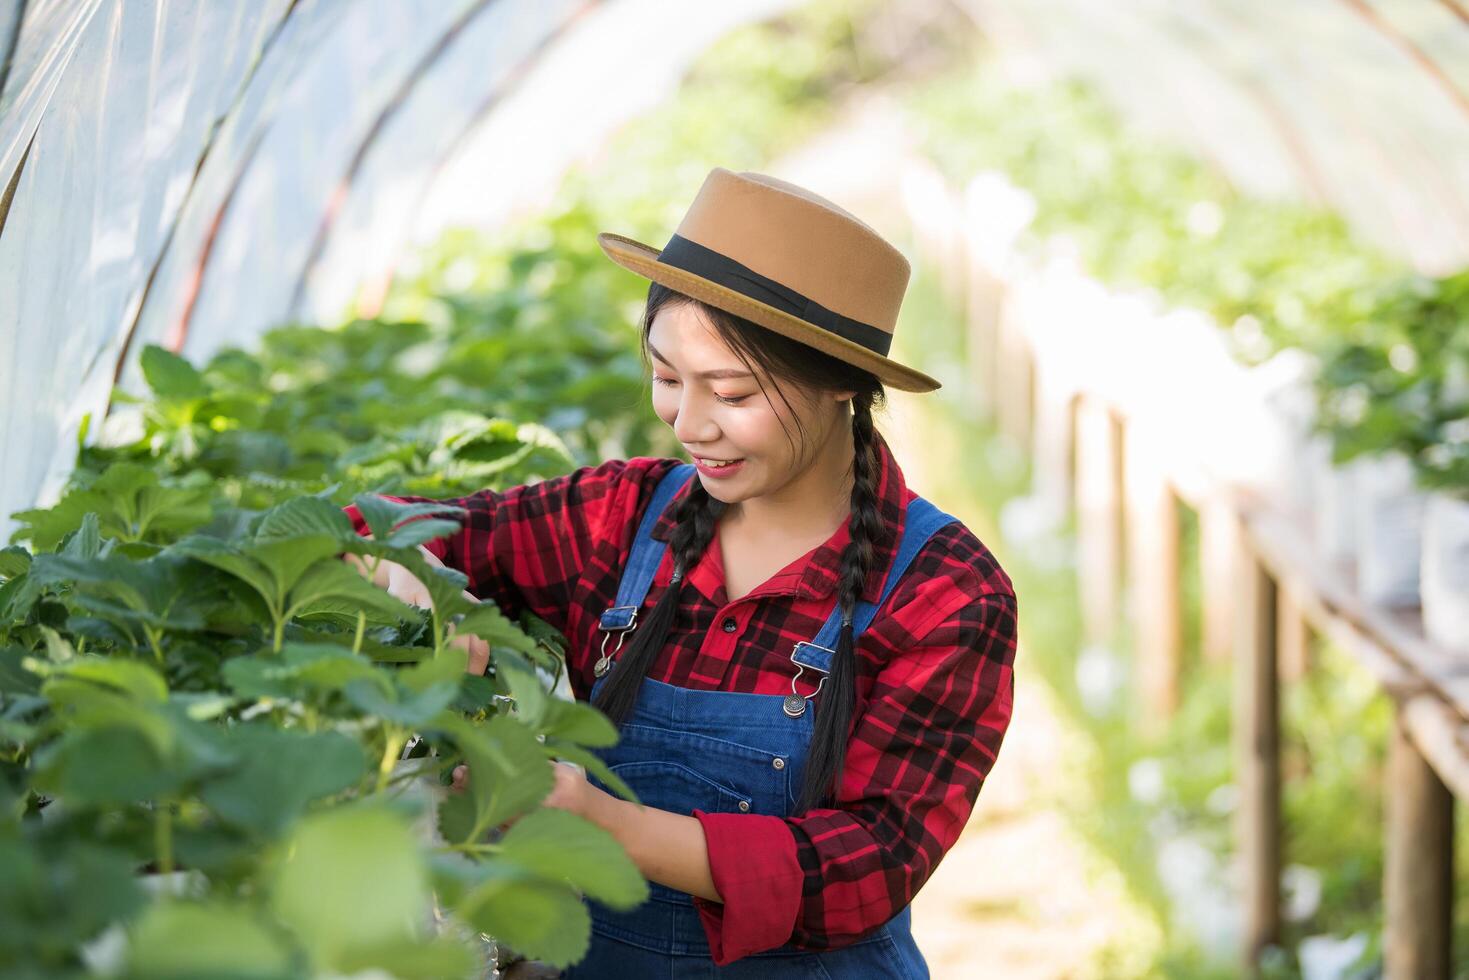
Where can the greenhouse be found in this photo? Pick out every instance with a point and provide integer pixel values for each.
(1021, 450)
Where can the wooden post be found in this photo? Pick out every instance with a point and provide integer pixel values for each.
(983, 299)
(1257, 758)
(1099, 518)
(1418, 885)
(1012, 383)
(1218, 557)
(1294, 640)
(1052, 478)
(1154, 580)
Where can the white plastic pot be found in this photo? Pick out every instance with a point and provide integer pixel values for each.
(1445, 571)
(1389, 515)
(1333, 510)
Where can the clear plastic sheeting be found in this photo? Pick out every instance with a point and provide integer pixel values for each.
(1359, 106)
(115, 101)
(190, 164)
(286, 163)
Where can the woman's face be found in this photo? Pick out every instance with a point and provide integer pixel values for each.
(717, 409)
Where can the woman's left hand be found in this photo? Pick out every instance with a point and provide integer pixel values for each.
(570, 791)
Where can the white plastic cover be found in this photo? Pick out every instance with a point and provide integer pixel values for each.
(187, 165)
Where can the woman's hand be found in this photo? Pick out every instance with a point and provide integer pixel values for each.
(403, 585)
(570, 792)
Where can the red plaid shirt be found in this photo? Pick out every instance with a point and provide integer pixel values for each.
(934, 685)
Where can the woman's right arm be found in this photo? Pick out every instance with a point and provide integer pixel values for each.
(529, 546)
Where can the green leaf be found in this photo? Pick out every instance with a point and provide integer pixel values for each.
(329, 583)
(232, 561)
(14, 561)
(531, 700)
(86, 541)
(578, 722)
(151, 510)
(60, 891)
(105, 765)
(85, 705)
(508, 770)
(409, 960)
(170, 376)
(350, 879)
(403, 707)
(272, 568)
(15, 678)
(487, 622)
(304, 517)
(539, 918)
(289, 559)
(301, 667)
(383, 516)
(136, 678)
(445, 585)
(280, 774)
(560, 845)
(183, 940)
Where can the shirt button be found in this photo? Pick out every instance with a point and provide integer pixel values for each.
(729, 625)
(744, 806)
(778, 763)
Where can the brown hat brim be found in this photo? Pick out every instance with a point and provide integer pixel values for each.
(639, 258)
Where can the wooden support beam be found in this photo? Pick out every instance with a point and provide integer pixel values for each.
(1154, 579)
(1257, 758)
(1014, 377)
(1294, 640)
(1052, 477)
(1418, 884)
(1099, 518)
(984, 296)
(1219, 544)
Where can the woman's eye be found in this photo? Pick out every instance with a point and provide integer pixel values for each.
(669, 382)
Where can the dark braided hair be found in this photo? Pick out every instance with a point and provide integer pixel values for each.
(698, 516)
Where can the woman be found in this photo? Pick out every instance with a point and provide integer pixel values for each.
(798, 786)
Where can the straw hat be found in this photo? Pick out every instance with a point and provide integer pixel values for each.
(777, 254)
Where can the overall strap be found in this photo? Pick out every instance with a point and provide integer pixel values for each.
(921, 521)
(642, 564)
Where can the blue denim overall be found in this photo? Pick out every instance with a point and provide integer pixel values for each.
(730, 752)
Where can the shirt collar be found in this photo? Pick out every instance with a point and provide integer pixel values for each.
(818, 579)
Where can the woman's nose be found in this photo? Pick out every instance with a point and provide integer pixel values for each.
(688, 425)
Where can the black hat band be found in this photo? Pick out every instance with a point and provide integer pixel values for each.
(682, 253)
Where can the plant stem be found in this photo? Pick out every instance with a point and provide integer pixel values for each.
(153, 642)
(163, 836)
(394, 738)
(361, 622)
(280, 629)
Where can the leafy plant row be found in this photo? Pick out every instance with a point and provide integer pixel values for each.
(1392, 345)
(238, 707)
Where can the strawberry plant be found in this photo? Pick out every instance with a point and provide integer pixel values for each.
(245, 710)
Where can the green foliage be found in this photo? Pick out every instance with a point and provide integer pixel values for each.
(190, 707)
(1394, 361)
(1399, 381)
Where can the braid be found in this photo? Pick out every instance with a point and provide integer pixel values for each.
(698, 515)
(828, 751)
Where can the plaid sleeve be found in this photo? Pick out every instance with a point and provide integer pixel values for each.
(915, 763)
(526, 547)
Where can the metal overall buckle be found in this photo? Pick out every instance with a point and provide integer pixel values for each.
(795, 702)
(604, 663)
